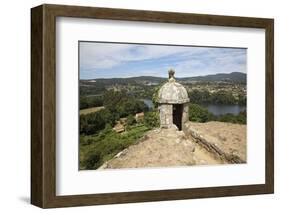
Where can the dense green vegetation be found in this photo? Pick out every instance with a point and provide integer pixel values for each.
(97, 149)
(242, 100)
(151, 119)
(93, 122)
(98, 141)
(117, 105)
(198, 113)
(241, 118)
(91, 88)
(218, 97)
(122, 105)
(92, 101)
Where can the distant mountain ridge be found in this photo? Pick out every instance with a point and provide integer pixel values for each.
(227, 77)
(234, 76)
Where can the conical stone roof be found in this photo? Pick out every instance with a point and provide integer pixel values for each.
(172, 92)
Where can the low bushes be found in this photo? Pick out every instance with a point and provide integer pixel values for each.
(97, 149)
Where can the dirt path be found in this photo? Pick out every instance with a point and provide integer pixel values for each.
(162, 148)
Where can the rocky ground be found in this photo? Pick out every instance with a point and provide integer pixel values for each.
(170, 147)
(224, 140)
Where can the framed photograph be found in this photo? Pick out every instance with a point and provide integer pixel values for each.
(136, 106)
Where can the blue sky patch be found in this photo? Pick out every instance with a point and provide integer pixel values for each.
(115, 60)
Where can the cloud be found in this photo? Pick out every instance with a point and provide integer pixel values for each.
(107, 60)
(213, 60)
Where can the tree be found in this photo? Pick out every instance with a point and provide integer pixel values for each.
(199, 114)
(93, 122)
(197, 97)
(112, 99)
(242, 100)
(87, 102)
(120, 103)
(223, 97)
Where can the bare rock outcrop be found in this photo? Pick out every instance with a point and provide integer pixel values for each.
(225, 140)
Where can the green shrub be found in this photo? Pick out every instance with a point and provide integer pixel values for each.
(199, 114)
(151, 119)
(106, 144)
(92, 161)
(131, 120)
(241, 118)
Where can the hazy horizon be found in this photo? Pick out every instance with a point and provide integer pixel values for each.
(121, 60)
(137, 76)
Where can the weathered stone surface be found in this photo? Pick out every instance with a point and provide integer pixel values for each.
(172, 93)
(225, 140)
(166, 115)
(185, 114)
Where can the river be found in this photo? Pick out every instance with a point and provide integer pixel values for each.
(219, 109)
(216, 109)
(148, 103)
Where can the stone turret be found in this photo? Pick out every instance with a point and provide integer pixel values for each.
(173, 103)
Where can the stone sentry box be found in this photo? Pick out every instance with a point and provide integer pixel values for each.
(173, 103)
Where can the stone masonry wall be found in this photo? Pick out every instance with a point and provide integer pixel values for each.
(166, 115)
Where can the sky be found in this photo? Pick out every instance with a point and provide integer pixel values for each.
(121, 60)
